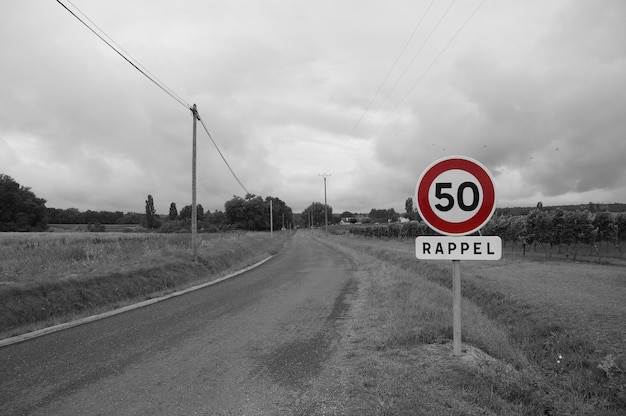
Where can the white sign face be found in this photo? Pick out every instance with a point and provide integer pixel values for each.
(456, 195)
(458, 248)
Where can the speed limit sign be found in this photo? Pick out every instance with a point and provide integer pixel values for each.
(456, 195)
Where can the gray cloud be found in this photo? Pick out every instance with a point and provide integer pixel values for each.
(284, 87)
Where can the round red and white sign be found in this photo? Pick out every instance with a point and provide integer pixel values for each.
(456, 195)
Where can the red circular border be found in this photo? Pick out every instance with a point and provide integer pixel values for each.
(456, 228)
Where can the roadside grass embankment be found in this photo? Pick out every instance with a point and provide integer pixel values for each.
(524, 356)
(49, 278)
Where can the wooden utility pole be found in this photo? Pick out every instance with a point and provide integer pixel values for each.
(325, 204)
(194, 212)
(271, 220)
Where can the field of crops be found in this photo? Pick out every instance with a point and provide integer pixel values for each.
(517, 238)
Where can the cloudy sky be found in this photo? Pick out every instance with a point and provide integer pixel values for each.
(370, 92)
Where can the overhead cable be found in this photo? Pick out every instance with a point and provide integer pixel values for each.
(393, 87)
(422, 75)
(220, 152)
(380, 87)
(382, 84)
(126, 56)
(429, 67)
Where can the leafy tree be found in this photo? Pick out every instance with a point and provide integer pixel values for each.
(151, 219)
(217, 218)
(199, 212)
(281, 213)
(173, 211)
(214, 219)
(130, 218)
(185, 213)
(252, 212)
(74, 216)
(315, 213)
(383, 215)
(408, 206)
(64, 216)
(235, 211)
(256, 215)
(20, 209)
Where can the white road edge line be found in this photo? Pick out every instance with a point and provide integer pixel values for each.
(67, 325)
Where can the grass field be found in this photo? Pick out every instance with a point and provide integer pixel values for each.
(47, 278)
(544, 335)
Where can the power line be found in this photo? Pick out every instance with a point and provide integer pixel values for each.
(223, 158)
(393, 87)
(432, 63)
(422, 75)
(380, 87)
(143, 68)
(127, 57)
(117, 49)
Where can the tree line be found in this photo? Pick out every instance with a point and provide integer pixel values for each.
(592, 224)
(251, 213)
(75, 216)
(22, 210)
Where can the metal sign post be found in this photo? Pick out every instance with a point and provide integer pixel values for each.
(456, 307)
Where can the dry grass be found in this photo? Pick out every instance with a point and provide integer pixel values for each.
(399, 353)
(47, 278)
(545, 337)
(26, 257)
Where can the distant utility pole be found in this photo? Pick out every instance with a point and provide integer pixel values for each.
(325, 204)
(271, 220)
(194, 212)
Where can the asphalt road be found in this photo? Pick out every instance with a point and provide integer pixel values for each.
(251, 345)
